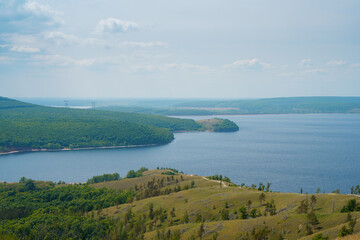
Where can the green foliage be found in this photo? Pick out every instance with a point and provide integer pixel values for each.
(281, 105)
(224, 214)
(104, 178)
(355, 190)
(226, 126)
(56, 212)
(347, 231)
(270, 207)
(312, 219)
(243, 212)
(185, 218)
(171, 169)
(219, 178)
(27, 126)
(253, 213)
(303, 207)
(344, 231)
(261, 233)
(351, 206)
(138, 173)
(250, 106)
(320, 237)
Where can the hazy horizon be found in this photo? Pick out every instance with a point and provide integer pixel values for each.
(196, 49)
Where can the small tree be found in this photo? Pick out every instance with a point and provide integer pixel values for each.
(320, 237)
(243, 212)
(344, 231)
(262, 198)
(304, 206)
(29, 185)
(198, 217)
(201, 231)
(312, 202)
(352, 224)
(312, 219)
(185, 218)
(249, 203)
(224, 214)
(268, 186)
(309, 230)
(253, 213)
(131, 174)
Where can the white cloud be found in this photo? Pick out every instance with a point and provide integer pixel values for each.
(27, 16)
(316, 71)
(171, 66)
(306, 63)
(253, 64)
(60, 37)
(143, 44)
(39, 9)
(4, 59)
(336, 63)
(68, 39)
(24, 49)
(114, 25)
(356, 65)
(62, 61)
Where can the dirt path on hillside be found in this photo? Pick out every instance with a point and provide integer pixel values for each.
(222, 182)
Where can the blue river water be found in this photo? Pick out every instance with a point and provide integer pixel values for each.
(290, 151)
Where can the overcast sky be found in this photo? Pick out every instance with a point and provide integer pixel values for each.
(179, 49)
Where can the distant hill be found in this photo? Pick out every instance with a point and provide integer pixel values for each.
(294, 105)
(283, 105)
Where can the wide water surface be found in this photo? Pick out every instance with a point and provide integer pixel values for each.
(290, 151)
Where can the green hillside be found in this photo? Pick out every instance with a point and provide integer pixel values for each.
(295, 105)
(166, 204)
(25, 126)
(28, 126)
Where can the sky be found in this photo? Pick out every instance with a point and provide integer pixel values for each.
(179, 49)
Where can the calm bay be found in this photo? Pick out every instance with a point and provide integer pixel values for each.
(290, 151)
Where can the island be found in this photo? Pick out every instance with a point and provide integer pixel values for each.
(218, 125)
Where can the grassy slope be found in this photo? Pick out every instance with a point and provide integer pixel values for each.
(208, 199)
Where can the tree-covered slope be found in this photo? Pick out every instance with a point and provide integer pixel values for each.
(282, 105)
(298, 105)
(24, 125)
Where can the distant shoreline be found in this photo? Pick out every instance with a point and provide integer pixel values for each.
(74, 149)
(255, 114)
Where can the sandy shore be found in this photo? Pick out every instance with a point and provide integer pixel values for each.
(75, 149)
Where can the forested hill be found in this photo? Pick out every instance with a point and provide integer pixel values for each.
(282, 105)
(29, 126)
(290, 105)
